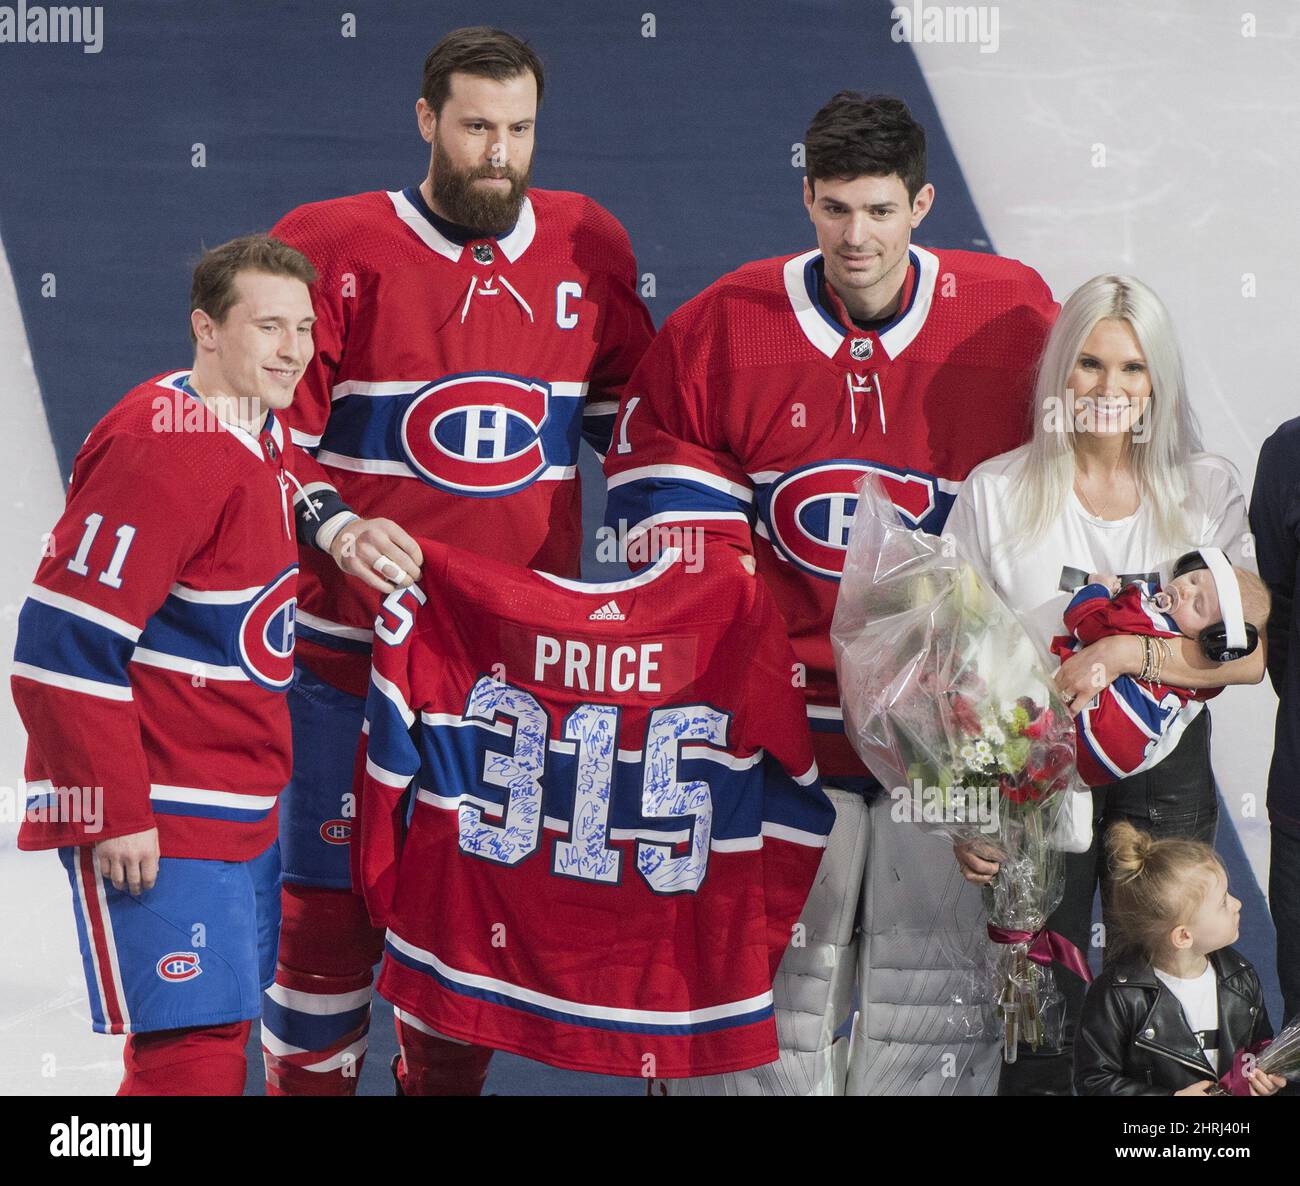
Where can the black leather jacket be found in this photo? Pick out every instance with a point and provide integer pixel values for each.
(1134, 1039)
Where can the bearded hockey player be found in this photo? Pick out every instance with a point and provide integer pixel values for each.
(471, 331)
(153, 655)
(758, 407)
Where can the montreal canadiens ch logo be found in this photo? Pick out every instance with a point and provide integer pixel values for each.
(176, 966)
(266, 633)
(336, 831)
(478, 435)
(811, 508)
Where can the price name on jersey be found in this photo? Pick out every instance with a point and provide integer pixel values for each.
(598, 667)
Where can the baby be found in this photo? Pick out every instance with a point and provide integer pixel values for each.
(1223, 608)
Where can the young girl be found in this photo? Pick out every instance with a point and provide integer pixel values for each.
(1174, 1002)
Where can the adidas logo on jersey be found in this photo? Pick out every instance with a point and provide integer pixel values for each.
(609, 612)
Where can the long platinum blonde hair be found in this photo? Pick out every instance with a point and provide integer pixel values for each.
(1160, 445)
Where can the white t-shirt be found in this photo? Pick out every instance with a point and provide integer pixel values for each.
(1029, 577)
(1199, 998)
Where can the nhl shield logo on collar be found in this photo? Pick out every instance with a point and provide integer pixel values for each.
(483, 253)
(860, 349)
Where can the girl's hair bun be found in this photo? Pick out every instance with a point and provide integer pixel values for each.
(1129, 849)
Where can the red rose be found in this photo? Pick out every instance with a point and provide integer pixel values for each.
(1050, 767)
(964, 714)
(1045, 724)
(1016, 792)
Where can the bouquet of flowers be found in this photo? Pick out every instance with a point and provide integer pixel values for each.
(951, 706)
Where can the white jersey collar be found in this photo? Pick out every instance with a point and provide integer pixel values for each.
(826, 333)
(274, 427)
(512, 245)
(517, 241)
(667, 558)
(179, 381)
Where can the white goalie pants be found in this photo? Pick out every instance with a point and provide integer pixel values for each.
(891, 917)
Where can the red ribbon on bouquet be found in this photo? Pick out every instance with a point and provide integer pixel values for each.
(1234, 1081)
(1046, 947)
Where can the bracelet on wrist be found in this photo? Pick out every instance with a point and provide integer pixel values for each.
(1145, 673)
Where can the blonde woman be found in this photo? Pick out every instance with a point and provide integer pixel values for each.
(1113, 480)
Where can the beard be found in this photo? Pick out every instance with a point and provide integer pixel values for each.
(468, 205)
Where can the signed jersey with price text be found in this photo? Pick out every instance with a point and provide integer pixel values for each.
(590, 814)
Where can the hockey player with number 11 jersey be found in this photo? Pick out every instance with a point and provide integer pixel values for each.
(153, 655)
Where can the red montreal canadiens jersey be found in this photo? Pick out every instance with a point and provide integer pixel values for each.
(156, 644)
(614, 813)
(1119, 730)
(452, 383)
(756, 411)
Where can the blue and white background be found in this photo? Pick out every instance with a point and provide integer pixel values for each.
(1078, 135)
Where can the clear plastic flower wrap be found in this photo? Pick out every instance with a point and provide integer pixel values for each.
(952, 707)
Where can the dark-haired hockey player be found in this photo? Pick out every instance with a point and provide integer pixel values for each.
(760, 404)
